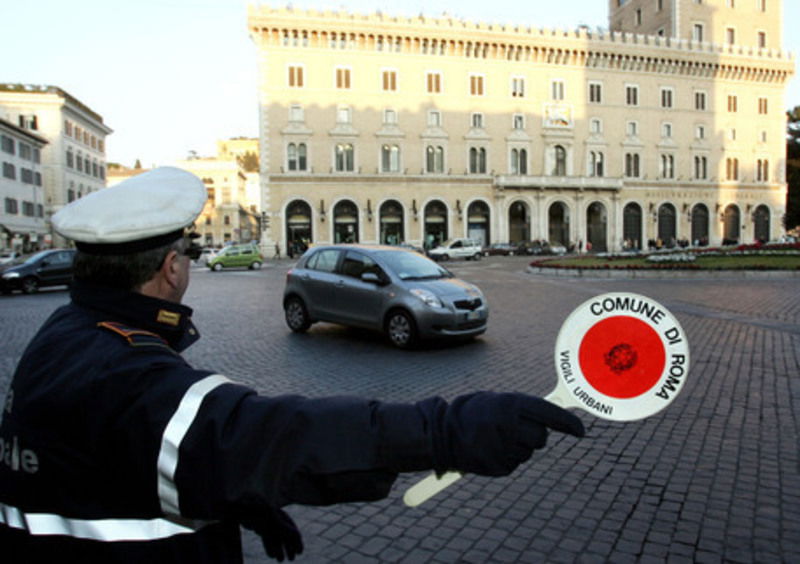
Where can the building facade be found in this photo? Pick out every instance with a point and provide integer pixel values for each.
(22, 224)
(385, 129)
(227, 217)
(74, 160)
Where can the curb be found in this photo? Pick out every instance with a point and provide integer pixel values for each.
(625, 274)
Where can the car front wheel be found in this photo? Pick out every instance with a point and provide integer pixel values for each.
(217, 267)
(296, 315)
(401, 329)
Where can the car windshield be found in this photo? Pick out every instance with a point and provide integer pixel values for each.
(413, 266)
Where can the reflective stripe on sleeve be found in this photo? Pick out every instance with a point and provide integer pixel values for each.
(107, 530)
(176, 429)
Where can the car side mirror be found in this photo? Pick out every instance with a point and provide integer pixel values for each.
(372, 278)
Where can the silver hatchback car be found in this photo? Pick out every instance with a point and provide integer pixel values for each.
(402, 293)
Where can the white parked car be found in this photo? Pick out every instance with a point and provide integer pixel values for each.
(206, 255)
(8, 256)
(457, 248)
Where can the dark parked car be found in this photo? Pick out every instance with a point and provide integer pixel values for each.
(31, 272)
(402, 293)
(503, 249)
(534, 248)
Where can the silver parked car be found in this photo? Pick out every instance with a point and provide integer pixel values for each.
(399, 292)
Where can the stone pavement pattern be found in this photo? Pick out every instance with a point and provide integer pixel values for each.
(714, 478)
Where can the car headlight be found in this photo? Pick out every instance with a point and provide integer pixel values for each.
(10, 275)
(428, 297)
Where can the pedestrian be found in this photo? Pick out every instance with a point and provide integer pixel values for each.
(115, 449)
(277, 254)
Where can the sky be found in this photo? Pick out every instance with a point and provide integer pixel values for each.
(174, 76)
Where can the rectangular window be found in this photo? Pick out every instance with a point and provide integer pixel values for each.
(344, 115)
(477, 120)
(762, 40)
(28, 209)
(7, 144)
(700, 101)
(632, 95)
(596, 125)
(557, 90)
(26, 175)
(389, 117)
(518, 87)
(666, 97)
(11, 206)
(762, 106)
(666, 130)
(433, 82)
(518, 122)
(730, 36)
(700, 132)
(632, 129)
(24, 151)
(476, 85)
(697, 32)
(733, 104)
(9, 171)
(343, 78)
(295, 76)
(434, 118)
(296, 113)
(595, 93)
(700, 168)
(389, 81)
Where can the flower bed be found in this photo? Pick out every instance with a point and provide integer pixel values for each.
(783, 256)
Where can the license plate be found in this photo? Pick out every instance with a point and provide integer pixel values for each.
(473, 315)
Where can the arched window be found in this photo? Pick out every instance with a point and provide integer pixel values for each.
(477, 160)
(434, 159)
(390, 158)
(344, 157)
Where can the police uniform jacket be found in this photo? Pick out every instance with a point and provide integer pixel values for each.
(114, 449)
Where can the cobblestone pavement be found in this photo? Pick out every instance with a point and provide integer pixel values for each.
(714, 478)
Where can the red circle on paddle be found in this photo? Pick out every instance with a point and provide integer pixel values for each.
(622, 357)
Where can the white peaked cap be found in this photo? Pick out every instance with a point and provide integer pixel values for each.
(146, 211)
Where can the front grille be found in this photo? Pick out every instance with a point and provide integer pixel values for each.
(470, 305)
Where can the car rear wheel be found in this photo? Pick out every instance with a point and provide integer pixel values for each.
(255, 266)
(217, 267)
(30, 285)
(477, 256)
(401, 330)
(296, 315)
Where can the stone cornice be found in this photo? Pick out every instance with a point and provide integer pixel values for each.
(445, 36)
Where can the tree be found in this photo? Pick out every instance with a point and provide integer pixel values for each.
(792, 218)
(248, 161)
(138, 164)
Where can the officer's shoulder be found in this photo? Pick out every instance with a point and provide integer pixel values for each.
(135, 337)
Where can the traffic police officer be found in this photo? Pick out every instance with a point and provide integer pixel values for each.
(114, 449)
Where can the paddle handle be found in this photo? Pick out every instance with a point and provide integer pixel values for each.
(431, 485)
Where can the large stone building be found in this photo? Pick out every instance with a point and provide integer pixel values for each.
(22, 224)
(73, 162)
(386, 129)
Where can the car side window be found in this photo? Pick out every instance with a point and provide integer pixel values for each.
(247, 252)
(457, 245)
(324, 260)
(356, 264)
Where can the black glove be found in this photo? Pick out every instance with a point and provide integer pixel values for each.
(278, 533)
(491, 434)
